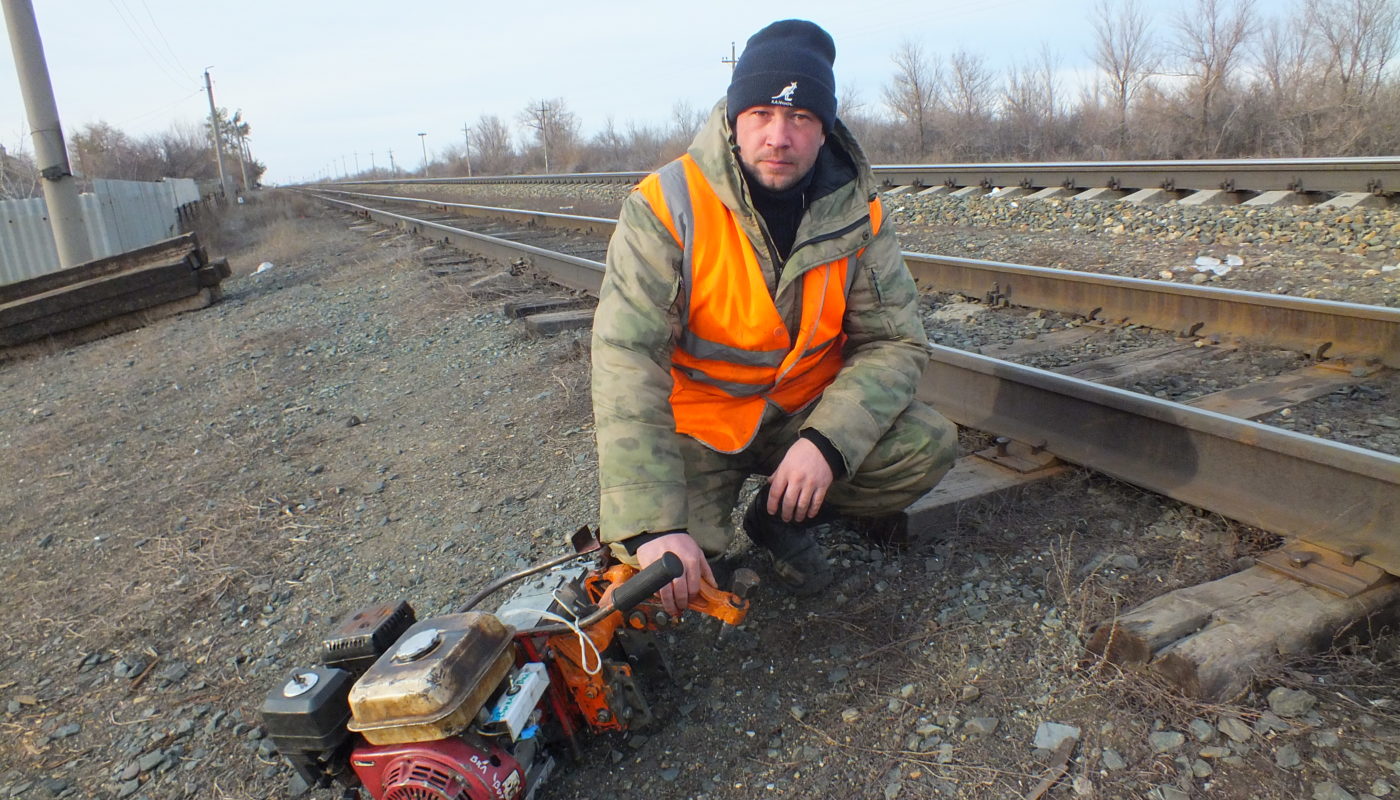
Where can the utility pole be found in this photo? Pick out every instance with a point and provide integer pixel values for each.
(423, 140)
(731, 61)
(214, 129)
(372, 168)
(243, 158)
(357, 162)
(467, 134)
(50, 154)
(393, 170)
(247, 156)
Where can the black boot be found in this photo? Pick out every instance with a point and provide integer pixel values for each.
(888, 530)
(798, 558)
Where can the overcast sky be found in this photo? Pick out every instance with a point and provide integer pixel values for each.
(321, 81)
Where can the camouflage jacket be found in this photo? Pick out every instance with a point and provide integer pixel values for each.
(640, 470)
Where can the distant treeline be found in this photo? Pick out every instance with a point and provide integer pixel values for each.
(99, 150)
(1218, 80)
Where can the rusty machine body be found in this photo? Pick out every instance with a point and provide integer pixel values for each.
(482, 706)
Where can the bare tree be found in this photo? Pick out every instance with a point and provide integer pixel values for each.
(1210, 42)
(1359, 39)
(686, 120)
(912, 94)
(495, 155)
(19, 178)
(1030, 101)
(555, 127)
(1124, 53)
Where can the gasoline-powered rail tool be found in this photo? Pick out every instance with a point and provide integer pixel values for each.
(481, 706)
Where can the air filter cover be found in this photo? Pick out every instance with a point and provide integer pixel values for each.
(307, 712)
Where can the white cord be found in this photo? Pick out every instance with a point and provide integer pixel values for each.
(585, 643)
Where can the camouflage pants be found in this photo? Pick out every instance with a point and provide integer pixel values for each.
(913, 455)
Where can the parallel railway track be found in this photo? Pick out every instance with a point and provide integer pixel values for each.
(1300, 180)
(1334, 495)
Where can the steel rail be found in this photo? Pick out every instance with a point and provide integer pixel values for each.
(1331, 494)
(1379, 175)
(1335, 495)
(1319, 327)
(596, 226)
(1376, 175)
(566, 270)
(1296, 323)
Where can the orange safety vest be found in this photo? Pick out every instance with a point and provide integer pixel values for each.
(735, 353)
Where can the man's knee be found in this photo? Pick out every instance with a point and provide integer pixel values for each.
(911, 458)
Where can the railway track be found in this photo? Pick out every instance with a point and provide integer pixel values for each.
(1345, 182)
(1209, 454)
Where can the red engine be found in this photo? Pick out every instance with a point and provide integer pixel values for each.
(445, 769)
(476, 706)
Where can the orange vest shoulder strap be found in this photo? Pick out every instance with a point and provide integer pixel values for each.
(877, 216)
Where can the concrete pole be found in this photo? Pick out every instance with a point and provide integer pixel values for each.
(50, 154)
(467, 134)
(243, 159)
(214, 129)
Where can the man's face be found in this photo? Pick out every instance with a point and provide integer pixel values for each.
(778, 145)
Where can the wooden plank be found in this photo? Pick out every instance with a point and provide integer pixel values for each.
(178, 285)
(1125, 368)
(1210, 641)
(540, 305)
(60, 301)
(160, 252)
(110, 326)
(1259, 398)
(971, 482)
(559, 321)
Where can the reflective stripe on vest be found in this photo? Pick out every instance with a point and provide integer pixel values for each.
(735, 352)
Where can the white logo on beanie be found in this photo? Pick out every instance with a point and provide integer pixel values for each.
(784, 98)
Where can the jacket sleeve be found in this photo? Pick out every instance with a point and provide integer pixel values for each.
(640, 471)
(886, 351)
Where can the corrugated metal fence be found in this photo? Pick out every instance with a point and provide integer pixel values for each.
(119, 215)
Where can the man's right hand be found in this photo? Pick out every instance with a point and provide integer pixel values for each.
(676, 595)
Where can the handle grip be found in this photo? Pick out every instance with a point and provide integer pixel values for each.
(647, 582)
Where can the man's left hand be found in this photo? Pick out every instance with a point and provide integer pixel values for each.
(798, 486)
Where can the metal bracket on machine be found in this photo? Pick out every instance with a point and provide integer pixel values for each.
(1342, 573)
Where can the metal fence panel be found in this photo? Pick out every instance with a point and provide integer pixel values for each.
(26, 242)
(119, 216)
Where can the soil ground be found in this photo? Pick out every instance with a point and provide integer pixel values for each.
(189, 507)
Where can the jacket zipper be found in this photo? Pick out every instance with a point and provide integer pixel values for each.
(832, 235)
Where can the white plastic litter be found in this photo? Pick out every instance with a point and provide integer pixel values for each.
(1234, 260)
(1213, 265)
(263, 267)
(1391, 268)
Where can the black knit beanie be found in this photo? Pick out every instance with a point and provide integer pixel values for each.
(787, 63)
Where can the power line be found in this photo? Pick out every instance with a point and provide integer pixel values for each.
(141, 31)
(145, 114)
(174, 58)
(139, 41)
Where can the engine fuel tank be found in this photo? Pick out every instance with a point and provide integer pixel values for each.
(434, 679)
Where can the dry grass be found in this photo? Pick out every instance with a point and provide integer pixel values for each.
(266, 228)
